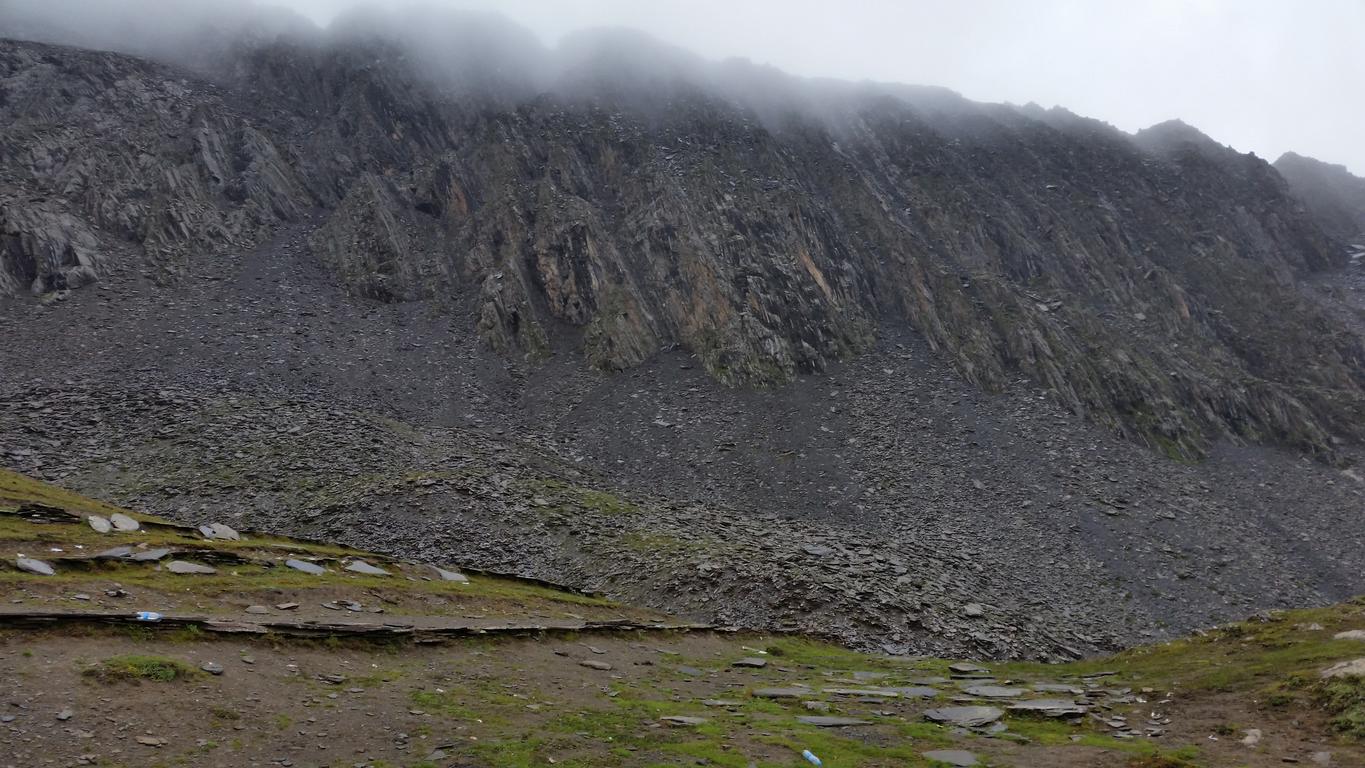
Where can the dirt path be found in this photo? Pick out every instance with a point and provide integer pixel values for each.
(534, 702)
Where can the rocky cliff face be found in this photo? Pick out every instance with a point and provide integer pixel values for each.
(1149, 282)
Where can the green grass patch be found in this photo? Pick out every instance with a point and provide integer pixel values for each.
(134, 668)
(562, 494)
(1344, 700)
(17, 490)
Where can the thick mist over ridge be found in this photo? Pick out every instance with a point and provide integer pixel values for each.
(473, 44)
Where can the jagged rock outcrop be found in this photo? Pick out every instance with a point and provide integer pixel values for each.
(44, 249)
(1334, 195)
(101, 152)
(1150, 282)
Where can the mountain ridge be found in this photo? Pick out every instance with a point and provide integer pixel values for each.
(583, 224)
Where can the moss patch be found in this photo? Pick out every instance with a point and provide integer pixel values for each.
(134, 668)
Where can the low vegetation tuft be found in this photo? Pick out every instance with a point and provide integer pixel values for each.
(138, 668)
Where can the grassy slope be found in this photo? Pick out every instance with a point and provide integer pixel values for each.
(1272, 662)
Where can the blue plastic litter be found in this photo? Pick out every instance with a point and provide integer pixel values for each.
(811, 758)
(154, 616)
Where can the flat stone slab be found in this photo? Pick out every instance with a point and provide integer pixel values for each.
(959, 757)
(782, 693)
(601, 666)
(303, 565)
(994, 691)
(917, 692)
(721, 703)
(967, 717)
(1057, 688)
(115, 553)
(752, 662)
(220, 531)
(682, 720)
(455, 576)
(34, 566)
(360, 566)
(884, 693)
(830, 721)
(123, 522)
(99, 524)
(185, 567)
(146, 555)
(1350, 634)
(1353, 668)
(1050, 707)
(967, 669)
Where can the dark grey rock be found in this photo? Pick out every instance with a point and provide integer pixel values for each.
(1050, 707)
(830, 721)
(783, 693)
(957, 757)
(994, 691)
(682, 720)
(967, 717)
(116, 553)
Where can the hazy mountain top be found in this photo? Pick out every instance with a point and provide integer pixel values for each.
(1333, 194)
